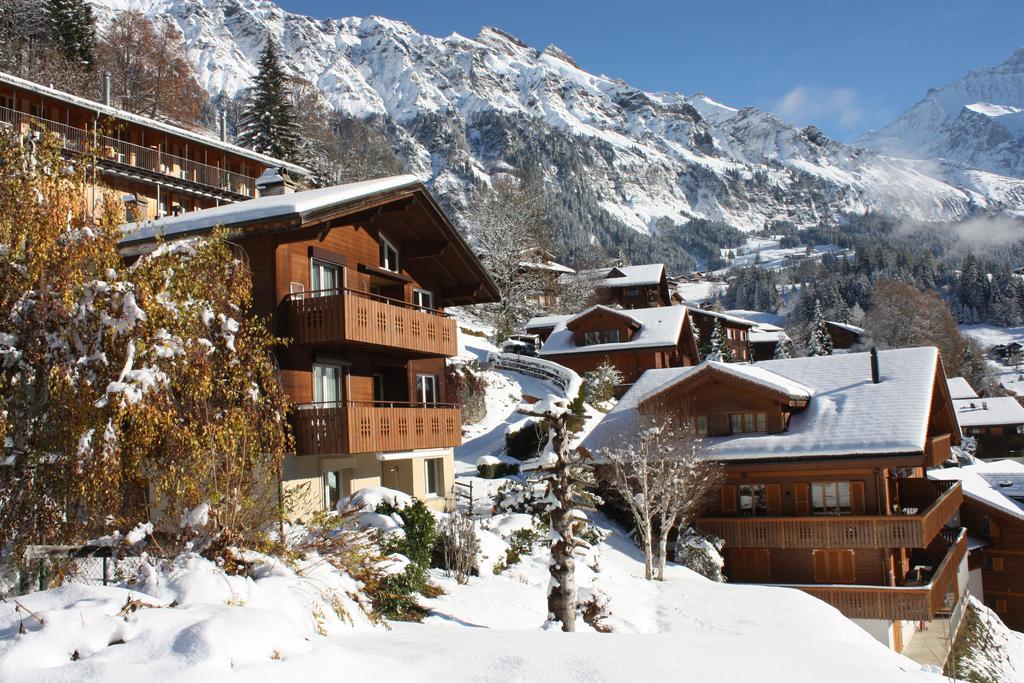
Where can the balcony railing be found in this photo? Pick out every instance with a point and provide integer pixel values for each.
(371, 427)
(938, 450)
(840, 531)
(911, 603)
(113, 151)
(335, 316)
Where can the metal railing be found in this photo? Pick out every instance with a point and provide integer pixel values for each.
(111, 150)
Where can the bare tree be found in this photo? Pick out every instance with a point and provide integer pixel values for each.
(662, 475)
(507, 228)
(562, 466)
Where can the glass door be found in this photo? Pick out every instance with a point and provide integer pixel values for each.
(426, 388)
(328, 383)
(324, 276)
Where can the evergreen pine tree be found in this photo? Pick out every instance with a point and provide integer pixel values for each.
(782, 349)
(269, 121)
(72, 29)
(819, 343)
(696, 339)
(720, 350)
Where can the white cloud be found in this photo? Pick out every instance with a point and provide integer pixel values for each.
(805, 105)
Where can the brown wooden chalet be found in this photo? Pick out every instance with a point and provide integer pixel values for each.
(357, 276)
(156, 168)
(825, 490)
(844, 335)
(632, 340)
(993, 512)
(641, 286)
(737, 331)
(996, 424)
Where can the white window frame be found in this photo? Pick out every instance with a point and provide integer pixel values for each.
(385, 261)
(320, 389)
(835, 489)
(423, 298)
(339, 482)
(421, 394)
(437, 465)
(315, 266)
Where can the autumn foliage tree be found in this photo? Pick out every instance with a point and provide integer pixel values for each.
(127, 394)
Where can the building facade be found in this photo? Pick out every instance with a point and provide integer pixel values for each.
(737, 331)
(641, 286)
(155, 168)
(357, 277)
(825, 487)
(996, 424)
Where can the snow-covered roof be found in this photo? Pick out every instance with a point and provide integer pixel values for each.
(755, 374)
(981, 412)
(632, 276)
(553, 266)
(615, 312)
(659, 326)
(546, 321)
(847, 414)
(724, 316)
(847, 326)
(764, 320)
(999, 484)
(760, 335)
(960, 388)
(106, 110)
(263, 208)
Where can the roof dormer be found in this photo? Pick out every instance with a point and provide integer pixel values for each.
(602, 325)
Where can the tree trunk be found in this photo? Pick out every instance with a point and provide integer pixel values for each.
(645, 539)
(562, 591)
(663, 532)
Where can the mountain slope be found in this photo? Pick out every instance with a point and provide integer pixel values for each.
(611, 156)
(976, 121)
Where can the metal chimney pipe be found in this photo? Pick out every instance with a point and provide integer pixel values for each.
(106, 88)
(222, 125)
(875, 375)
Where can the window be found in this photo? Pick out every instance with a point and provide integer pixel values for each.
(433, 476)
(332, 489)
(378, 386)
(7, 102)
(632, 291)
(994, 564)
(753, 500)
(601, 337)
(702, 425)
(323, 276)
(831, 498)
(1000, 606)
(327, 383)
(388, 255)
(986, 526)
(1020, 429)
(748, 423)
(423, 298)
(426, 388)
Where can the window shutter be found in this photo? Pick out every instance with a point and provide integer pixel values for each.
(997, 564)
(847, 573)
(819, 559)
(773, 493)
(1000, 605)
(857, 497)
(729, 500)
(802, 498)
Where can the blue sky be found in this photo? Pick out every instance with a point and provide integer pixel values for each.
(843, 66)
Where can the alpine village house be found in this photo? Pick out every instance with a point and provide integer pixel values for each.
(357, 276)
(826, 487)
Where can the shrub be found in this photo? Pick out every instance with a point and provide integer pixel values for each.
(420, 533)
(528, 441)
(520, 543)
(599, 384)
(469, 387)
(457, 547)
(395, 597)
(702, 554)
(578, 413)
(528, 498)
(496, 470)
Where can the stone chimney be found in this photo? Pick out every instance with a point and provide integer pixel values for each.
(274, 181)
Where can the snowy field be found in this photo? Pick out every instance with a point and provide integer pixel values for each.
(1011, 379)
(775, 257)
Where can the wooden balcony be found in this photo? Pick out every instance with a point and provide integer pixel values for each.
(911, 603)
(937, 450)
(843, 531)
(354, 427)
(146, 161)
(339, 316)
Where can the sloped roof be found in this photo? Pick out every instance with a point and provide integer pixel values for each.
(754, 374)
(981, 412)
(985, 482)
(631, 276)
(959, 388)
(632, 320)
(743, 322)
(546, 321)
(846, 326)
(659, 326)
(847, 414)
(195, 136)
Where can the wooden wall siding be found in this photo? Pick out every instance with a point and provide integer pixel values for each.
(718, 397)
(937, 450)
(367, 428)
(1005, 579)
(353, 317)
(842, 531)
(895, 602)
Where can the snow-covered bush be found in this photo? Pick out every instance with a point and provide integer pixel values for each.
(599, 384)
(525, 439)
(701, 553)
(490, 467)
(419, 525)
(457, 547)
(518, 497)
(520, 544)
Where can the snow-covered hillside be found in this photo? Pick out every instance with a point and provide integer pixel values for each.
(462, 109)
(976, 121)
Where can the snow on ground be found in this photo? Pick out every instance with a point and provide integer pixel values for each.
(701, 291)
(1011, 379)
(767, 253)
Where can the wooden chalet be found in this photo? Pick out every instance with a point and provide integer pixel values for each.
(632, 340)
(357, 277)
(548, 272)
(844, 335)
(825, 490)
(997, 425)
(737, 331)
(993, 513)
(155, 168)
(763, 338)
(641, 286)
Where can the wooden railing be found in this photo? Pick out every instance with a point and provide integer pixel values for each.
(840, 531)
(112, 150)
(911, 603)
(370, 427)
(345, 315)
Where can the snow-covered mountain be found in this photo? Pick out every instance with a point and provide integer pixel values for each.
(462, 109)
(976, 121)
